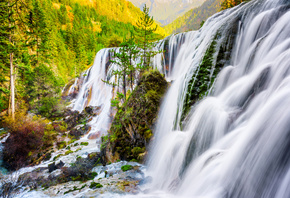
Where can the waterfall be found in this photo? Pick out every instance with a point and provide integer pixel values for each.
(92, 91)
(223, 127)
(234, 140)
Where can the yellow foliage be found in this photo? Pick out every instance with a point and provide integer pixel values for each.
(63, 27)
(68, 8)
(119, 10)
(56, 5)
(97, 26)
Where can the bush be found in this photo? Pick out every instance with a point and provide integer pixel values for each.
(29, 137)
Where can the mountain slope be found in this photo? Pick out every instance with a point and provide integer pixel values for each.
(59, 40)
(193, 18)
(165, 11)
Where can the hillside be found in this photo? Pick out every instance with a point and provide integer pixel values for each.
(192, 19)
(165, 11)
(56, 41)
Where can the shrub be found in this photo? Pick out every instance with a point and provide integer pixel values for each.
(28, 138)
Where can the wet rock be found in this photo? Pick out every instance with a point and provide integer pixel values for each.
(52, 167)
(78, 132)
(94, 111)
(95, 135)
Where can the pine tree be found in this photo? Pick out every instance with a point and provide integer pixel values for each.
(125, 58)
(4, 52)
(145, 36)
(10, 46)
(39, 33)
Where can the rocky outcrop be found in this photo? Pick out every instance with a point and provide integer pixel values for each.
(131, 129)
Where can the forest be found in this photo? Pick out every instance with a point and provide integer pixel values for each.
(97, 101)
(46, 43)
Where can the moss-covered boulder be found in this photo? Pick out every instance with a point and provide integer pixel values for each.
(131, 129)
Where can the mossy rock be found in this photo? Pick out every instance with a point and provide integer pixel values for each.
(95, 185)
(126, 168)
(84, 143)
(132, 126)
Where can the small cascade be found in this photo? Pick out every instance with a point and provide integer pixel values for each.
(93, 91)
(169, 48)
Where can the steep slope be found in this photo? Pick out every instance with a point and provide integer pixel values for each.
(61, 40)
(193, 18)
(165, 11)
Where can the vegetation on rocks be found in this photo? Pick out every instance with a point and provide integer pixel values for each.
(131, 128)
(126, 167)
(215, 58)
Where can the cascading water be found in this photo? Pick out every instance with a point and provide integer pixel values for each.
(91, 90)
(223, 128)
(235, 142)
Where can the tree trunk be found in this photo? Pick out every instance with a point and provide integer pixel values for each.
(124, 84)
(131, 72)
(12, 88)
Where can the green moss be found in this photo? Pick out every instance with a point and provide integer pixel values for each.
(72, 141)
(94, 174)
(131, 127)
(202, 80)
(76, 144)
(68, 152)
(137, 151)
(96, 185)
(75, 188)
(58, 156)
(84, 143)
(61, 145)
(126, 168)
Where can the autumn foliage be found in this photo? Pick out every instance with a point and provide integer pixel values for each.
(29, 137)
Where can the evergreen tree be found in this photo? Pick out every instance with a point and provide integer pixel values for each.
(145, 36)
(39, 33)
(4, 53)
(125, 57)
(11, 49)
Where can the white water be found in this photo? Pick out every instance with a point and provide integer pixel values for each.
(236, 141)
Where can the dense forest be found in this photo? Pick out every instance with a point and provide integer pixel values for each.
(46, 43)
